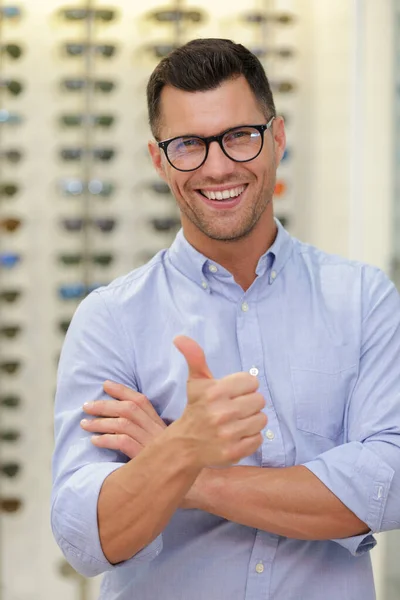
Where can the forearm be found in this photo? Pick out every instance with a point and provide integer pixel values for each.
(137, 500)
(291, 502)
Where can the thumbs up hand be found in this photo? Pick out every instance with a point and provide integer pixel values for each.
(222, 419)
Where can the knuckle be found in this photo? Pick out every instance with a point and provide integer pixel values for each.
(123, 423)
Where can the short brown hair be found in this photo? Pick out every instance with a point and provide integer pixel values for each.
(202, 65)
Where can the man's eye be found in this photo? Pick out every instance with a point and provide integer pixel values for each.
(191, 143)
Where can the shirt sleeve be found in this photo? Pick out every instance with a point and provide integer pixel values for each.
(364, 472)
(96, 348)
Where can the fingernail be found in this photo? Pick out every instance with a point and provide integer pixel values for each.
(88, 405)
(84, 421)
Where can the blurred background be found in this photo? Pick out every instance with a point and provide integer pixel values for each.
(80, 203)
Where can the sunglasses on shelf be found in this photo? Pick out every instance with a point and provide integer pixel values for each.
(78, 84)
(280, 188)
(159, 187)
(286, 155)
(165, 223)
(12, 50)
(10, 401)
(9, 260)
(10, 12)
(77, 224)
(9, 296)
(169, 15)
(10, 469)
(96, 187)
(10, 366)
(63, 326)
(11, 85)
(10, 331)
(285, 221)
(282, 87)
(10, 224)
(80, 120)
(103, 260)
(261, 17)
(10, 118)
(13, 156)
(8, 189)
(81, 48)
(76, 290)
(10, 505)
(161, 50)
(9, 435)
(261, 52)
(103, 154)
(81, 14)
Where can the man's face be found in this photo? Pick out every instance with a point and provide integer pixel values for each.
(210, 113)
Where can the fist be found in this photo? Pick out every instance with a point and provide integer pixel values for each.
(222, 420)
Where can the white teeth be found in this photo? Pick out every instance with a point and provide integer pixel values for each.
(225, 194)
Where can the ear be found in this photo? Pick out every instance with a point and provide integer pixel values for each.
(278, 130)
(157, 159)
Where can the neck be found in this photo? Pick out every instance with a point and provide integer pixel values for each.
(239, 257)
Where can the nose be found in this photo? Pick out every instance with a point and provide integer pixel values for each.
(217, 163)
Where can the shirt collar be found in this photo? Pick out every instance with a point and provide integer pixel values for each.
(191, 263)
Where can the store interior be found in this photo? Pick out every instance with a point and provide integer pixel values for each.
(80, 202)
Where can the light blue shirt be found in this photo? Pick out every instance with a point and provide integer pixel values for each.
(322, 334)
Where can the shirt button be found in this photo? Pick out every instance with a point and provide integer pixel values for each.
(273, 274)
(269, 434)
(245, 307)
(253, 371)
(204, 284)
(259, 568)
(213, 268)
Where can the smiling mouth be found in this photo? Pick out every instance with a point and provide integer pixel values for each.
(223, 195)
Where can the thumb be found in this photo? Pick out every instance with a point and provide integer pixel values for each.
(194, 356)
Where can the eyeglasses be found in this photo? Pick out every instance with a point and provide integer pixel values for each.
(80, 14)
(13, 50)
(8, 189)
(280, 188)
(9, 260)
(13, 156)
(286, 155)
(260, 17)
(10, 505)
(78, 290)
(10, 331)
(261, 52)
(78, 49)
(161, 50)
(10, 118)
(10, 12)
(103, 154)
(10, 224)
(78, 84)
(12, 85)
(282, 87)
(165, 223)
(77, 259)
(10, 366)
(240, 144)
(63, 325)
(79, 120)
(9, 296)
(160, 187)
(10, 401)
(76, 187)
(77, 224)
(10, 469)
(168, 15)
(9, 435)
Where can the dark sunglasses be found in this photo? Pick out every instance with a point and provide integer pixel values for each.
(77, 224)
(161, 50)
(76, 259)
(262, 17)
(80, 14)
(13, 50)
(9, 296)
(9, 117)
(10, 366)
(8, 189)
(261, 52)
(10, 469)
(10, 331)
(10, 12)
(13, 156)
(11, 85)
(173, 15)
(282, 87)
(10, 224)
(73, 291)
(10, 505)
(78, 84)
(10, 401)
(76, 187)
(165, 223)
(9, 435)
(9, 260)
(80, 48)
(159, 187)
(63, 325)
(103, 154)
(79, 120)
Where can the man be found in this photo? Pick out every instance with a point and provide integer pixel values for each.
(252, 448)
